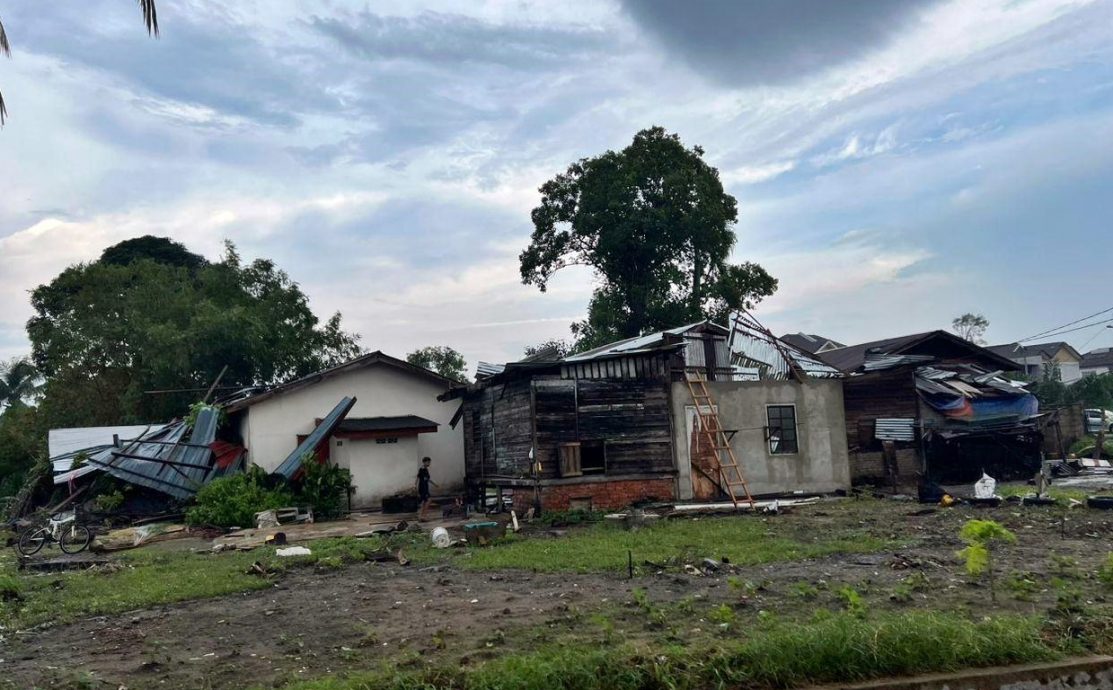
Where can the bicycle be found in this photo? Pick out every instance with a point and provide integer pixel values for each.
(61, 528)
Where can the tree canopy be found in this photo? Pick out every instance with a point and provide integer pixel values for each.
(655, 224)
(106, 332)
(162, 250)
(444, 360)
(971, 327)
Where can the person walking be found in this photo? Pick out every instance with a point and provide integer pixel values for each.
(422, 485)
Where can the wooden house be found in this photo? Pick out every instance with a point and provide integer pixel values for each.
(611, 427)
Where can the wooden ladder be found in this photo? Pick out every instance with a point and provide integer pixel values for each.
(711, 430)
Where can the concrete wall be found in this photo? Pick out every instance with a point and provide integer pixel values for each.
(378, 469)
(820, 466)
(270, 428)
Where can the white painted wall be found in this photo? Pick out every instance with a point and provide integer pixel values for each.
(378, 469)
(270, 428)
(1070, 372)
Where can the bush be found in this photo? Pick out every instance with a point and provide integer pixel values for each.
(233, 501)
(324, 487)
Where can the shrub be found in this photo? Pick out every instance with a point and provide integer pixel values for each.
(233, 501)
(109, 502)
(324, 487)
(981, 535)
(855, 604)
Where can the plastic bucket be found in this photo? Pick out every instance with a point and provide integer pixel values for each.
(441, 539)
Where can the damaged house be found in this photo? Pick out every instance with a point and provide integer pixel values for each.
(166, 462)
(618, 424)
(934, 405)
(375, 415)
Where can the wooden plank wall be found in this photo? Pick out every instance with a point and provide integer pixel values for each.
(622, 402)
(890, 393)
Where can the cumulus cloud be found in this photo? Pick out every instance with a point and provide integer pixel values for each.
(389, 157)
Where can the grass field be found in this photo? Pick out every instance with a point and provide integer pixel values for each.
(835, 648)
(604, 547)
(835, 592)
(149, 577)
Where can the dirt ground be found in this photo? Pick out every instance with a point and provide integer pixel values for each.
(315, 622)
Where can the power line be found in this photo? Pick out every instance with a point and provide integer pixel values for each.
(1072, 330)
(1091, 339)
(1052, 330)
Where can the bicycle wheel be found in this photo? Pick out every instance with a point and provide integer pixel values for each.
(32, 541)
(74, 539)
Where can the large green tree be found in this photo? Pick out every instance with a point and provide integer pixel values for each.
(655, 224)
(150, 19)
(105, 334)
(444, 360)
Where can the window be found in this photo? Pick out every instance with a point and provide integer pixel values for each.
(593, 457)
(388, 439)
(782, 429)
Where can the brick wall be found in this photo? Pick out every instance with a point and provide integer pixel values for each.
(602, 495)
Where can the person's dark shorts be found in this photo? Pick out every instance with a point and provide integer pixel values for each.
(423, 495)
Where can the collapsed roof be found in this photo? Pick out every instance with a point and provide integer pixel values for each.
(931, 343)
(754, 352)
(162, 458)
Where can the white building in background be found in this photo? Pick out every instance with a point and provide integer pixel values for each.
(396, 421)
(1036, 359)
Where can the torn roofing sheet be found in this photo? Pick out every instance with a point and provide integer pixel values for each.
(162, 460)
(752, 346)
(290, 466)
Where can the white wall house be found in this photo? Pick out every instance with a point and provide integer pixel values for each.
(1037, 359)
(396, 420)
(1099, 361)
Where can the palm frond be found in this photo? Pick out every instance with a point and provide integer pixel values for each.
(3, 110)
(150, 16)
(5, 47)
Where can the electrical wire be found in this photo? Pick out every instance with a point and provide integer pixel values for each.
(1052, 330)
(1072, 330)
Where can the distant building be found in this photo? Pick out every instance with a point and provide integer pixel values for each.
(811, 343)
(1036, 359)
(1099, 361)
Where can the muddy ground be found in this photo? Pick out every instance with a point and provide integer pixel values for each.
(315, 622)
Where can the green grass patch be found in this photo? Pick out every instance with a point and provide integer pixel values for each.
(604, 547)
(835, 648)
(1063, 496)
(152, 576)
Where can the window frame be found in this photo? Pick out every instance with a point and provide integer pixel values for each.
(769, 430)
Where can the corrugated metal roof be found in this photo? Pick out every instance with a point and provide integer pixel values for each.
(644, 343)
(486, 369)
(895, 429)
(162, 460)
(750, 346)
(314, 440)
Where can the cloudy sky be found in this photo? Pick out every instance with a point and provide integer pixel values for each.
(896, 162)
